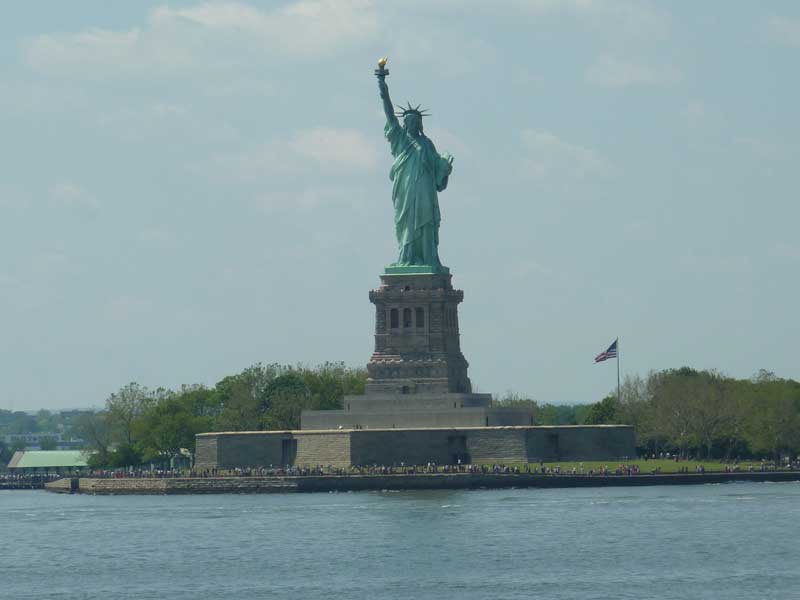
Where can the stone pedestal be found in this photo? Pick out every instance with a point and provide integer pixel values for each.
(417, 346)
(417, 375)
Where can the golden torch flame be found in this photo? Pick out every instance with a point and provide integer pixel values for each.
(382, 61)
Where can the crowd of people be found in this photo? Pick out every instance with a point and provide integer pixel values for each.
(622, 469)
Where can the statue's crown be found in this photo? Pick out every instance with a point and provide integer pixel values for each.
(411, 110)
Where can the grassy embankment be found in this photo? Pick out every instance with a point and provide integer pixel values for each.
(645, 466)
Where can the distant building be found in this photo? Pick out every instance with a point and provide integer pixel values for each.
(34, 440)
(47, 461)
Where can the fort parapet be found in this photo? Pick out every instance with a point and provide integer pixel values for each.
(451, 445)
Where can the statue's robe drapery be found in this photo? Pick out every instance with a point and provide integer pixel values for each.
(418, 173)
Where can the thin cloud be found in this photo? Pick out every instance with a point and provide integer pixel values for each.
(51, 264)
(548, 156)
(332, 147)
(200, 37)
(124, 308)
(13, 197)
(784, 30)
(158, 236)
(765, 149)
(786, 251)
(633, 19)
(305, 152)
(694, 111)
(163, 120)
(308, 198)
(611, 71)
(447, 141)
(72, 195)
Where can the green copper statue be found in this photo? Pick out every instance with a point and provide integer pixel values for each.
(419, 172)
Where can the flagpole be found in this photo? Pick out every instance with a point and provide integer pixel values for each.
(619, 397)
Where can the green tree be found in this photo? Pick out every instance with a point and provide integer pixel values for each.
(285, 398)
(242, 398)
(170, 425)
(48, 443)
(514, 400)
(45, 420)
(18, 445)
(607, 411)
(711, 409)
(5, 454)
(17, 422)
(672, 406)
(774, 425)
(557, 414)
(124, 407)
(635, 409)
(125, 455)
(95, 430)
(327, 384)
(273, 396)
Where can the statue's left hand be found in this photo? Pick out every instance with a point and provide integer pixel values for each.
(448, 157)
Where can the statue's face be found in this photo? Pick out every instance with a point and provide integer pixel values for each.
(412, 123)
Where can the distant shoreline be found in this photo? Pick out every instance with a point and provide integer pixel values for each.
(434, 481)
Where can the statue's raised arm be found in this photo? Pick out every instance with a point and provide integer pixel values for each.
(381, 72)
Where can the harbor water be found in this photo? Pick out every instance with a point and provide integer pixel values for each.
(732, 541)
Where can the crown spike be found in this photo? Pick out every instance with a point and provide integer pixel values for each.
(409, 109)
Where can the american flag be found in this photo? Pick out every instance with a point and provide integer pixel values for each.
(610, 353)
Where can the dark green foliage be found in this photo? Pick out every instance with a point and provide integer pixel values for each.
(605, 412)
(48, 443)
(17, 445)
(243, 398)
(545, 414)
(141, 426)
(707, 414)
(95, 430)
(557, 414)
(272, 396)
(170, 424)
(5, 454)
(286, 396)
(126, 455)
(17, 422)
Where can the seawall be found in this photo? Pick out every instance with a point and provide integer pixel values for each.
(25, 483)
(348, 483)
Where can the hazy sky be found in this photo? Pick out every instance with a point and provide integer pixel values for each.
(189, 188)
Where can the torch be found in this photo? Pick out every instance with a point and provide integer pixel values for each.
(381, 72)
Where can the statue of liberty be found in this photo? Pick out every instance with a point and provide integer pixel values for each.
(419, 172)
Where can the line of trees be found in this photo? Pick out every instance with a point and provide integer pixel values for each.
(707, 414)
(22, 422)
(683, 411)
(138, 425)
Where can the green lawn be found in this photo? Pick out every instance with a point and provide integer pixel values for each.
(645, 466)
